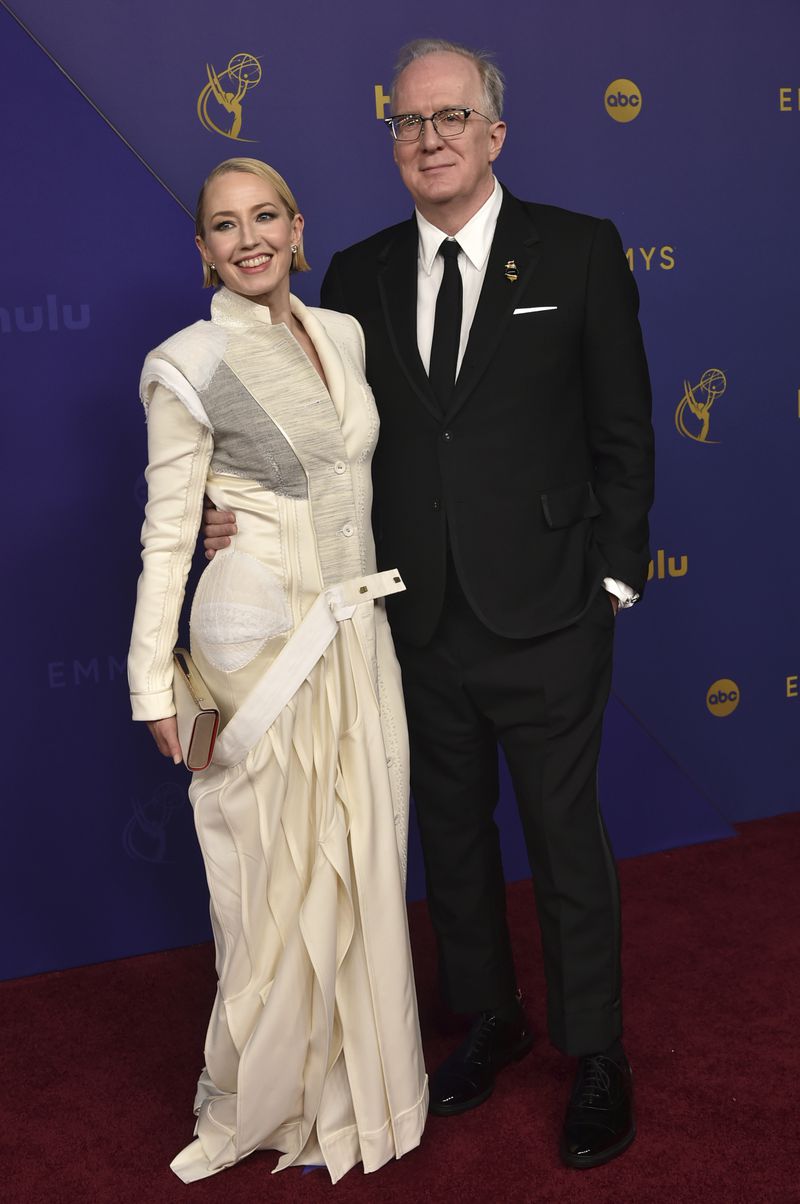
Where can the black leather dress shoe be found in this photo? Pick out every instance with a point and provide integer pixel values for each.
(599, 1123)
(466, 1078)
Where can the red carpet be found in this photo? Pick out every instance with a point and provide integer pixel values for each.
(99, 1063)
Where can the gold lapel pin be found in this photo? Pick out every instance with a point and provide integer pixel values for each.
(511, 271)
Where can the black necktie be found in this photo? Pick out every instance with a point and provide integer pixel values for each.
(446, 326)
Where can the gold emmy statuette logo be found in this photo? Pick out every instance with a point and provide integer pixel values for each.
(723, 697)
(623, 100)
(227, 89)
(694, 408)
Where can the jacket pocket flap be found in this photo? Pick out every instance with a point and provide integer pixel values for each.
(568, 505)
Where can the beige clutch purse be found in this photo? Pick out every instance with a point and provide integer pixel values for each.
(197, 713)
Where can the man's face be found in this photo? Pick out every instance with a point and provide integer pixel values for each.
(446, 171)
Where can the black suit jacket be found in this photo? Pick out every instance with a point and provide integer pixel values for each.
(542, 468)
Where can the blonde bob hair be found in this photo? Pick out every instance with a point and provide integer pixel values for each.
(253, 167)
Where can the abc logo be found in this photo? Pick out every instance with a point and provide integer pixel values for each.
(723, 697)
(623, 100)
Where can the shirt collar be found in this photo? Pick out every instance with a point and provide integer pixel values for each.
(231, 309)
(475, 238)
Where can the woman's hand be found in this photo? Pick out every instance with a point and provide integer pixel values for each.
(165, 734)
(218, 527)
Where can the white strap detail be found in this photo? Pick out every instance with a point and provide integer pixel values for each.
(295, 661)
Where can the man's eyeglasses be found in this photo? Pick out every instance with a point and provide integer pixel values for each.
(448, 123)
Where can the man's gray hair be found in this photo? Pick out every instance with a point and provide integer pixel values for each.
(490, 74)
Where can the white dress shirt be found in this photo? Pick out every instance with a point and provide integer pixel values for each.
(475, 241)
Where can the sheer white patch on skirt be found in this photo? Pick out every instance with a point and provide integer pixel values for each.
(239, 604)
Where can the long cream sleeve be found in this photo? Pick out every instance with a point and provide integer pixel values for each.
(179, 453)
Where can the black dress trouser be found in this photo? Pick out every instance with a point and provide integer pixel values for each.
(542, 700)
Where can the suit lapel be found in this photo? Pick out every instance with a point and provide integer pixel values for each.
(515, 243)
(397, 283)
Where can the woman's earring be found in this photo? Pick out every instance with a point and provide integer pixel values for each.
(294, 248)
(213, 267)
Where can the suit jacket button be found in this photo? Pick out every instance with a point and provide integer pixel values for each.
(437, 505)
(447, 436)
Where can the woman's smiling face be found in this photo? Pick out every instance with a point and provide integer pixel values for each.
(248, 236)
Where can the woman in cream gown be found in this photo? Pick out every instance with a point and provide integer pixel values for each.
(313, 1046)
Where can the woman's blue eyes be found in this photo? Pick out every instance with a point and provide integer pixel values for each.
(226, 225)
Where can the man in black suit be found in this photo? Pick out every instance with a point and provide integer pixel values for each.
(513, 478)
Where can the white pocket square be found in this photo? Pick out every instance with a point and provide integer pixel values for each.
(535, 309)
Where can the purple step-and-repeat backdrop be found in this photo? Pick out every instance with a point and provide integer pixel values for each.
(680, 122)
